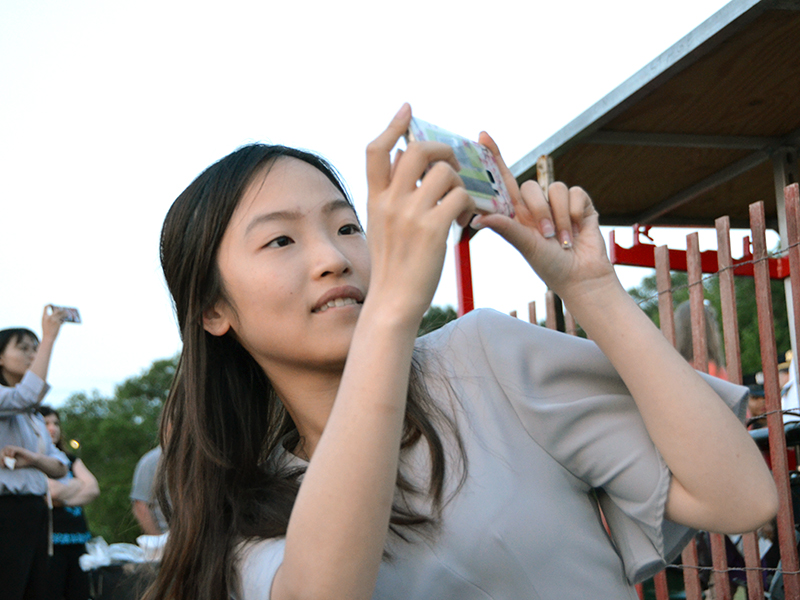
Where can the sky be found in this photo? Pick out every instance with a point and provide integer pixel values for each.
(108, 110)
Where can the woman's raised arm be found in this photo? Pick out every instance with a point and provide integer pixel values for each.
(338, 527)
(720, 481)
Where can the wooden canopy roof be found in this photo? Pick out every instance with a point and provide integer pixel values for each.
(694, 134)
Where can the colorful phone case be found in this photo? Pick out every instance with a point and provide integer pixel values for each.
(479, 171)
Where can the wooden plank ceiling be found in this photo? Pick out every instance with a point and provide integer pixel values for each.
(712, 120)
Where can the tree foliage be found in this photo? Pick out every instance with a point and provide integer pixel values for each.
(435, 317)
(646, 295)
(113, 434)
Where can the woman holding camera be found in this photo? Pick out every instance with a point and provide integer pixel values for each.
(28, 458)
(318, 449)
(66, 579)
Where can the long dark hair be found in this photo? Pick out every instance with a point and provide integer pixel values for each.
(223, 420)
(46, 411)
(13, 334)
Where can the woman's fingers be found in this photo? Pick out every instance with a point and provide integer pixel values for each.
(508, 177)
(457, 205)
(538, 208)
(561, 214)
(397, 156)
(439, 180)
(559, 200)
(419, 159)
(379, 162)
(580, 207)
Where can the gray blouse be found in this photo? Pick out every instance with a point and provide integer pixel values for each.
(549, 431)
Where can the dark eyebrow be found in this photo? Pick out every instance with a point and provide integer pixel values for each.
(294, 215)
(339, 204)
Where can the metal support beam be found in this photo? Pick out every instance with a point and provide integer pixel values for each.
(699, 188)
(681, 140)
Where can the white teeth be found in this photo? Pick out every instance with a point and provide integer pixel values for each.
(336, 302)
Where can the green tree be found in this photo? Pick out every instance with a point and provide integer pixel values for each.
(646, 295)
(435, 317)
(114, 433)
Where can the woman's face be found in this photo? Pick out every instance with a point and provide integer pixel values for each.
(295, 268)
(53, 427)
(17, 356)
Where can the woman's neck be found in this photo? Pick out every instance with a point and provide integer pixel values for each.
(10, 378)
(308, 398)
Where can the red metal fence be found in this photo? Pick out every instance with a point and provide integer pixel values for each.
(759, 265)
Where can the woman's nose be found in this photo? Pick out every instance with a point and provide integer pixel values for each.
(330, 259)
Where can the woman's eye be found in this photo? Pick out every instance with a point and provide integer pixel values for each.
(350, 229)
(279, 242)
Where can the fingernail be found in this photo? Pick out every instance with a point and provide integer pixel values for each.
(476, 223)
(547, 228)
(566, 240)
(403, 110)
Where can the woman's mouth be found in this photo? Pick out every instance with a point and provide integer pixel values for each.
(336, 303)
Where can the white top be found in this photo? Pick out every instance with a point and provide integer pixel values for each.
(545, 420)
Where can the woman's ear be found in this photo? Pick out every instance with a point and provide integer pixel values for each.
(215, 320)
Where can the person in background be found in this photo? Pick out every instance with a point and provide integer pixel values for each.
(70, 532)
(144, 505)
(756, 407)
(787, 380)
(27, 458)
(683, 338)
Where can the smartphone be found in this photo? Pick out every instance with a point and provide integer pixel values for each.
(71, 314)
(479, 170)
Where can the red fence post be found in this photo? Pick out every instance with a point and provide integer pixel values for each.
(691, 573)
(777, 440)
(464, 276)
(532, 312)
(551, 320)
(733, 359)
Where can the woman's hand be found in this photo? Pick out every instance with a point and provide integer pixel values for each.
(24, 458)
(559, 235)
(52, 319)
(409, 223)
(683, 415)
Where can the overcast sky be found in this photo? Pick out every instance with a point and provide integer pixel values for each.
(108, 110)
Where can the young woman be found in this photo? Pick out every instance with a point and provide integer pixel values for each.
(69, 494)
(317, 449)
(28, 458)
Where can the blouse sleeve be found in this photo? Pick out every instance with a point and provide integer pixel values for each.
(572, 402)
(258, 563)
(23, 396)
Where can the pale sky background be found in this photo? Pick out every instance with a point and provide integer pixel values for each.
(108, 110)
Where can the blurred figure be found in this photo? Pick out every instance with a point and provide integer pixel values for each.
(27, 458)
(684, 343)
(756, 407)
(145, 506)
(70, 532)
(787, 379)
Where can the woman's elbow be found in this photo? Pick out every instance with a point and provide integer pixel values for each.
(759, 509)
(769, 505)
